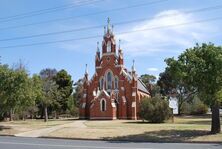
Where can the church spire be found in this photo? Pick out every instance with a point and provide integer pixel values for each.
(86, 70)
(119, 44)
(133, 67)
(108, 26)
(98, 47)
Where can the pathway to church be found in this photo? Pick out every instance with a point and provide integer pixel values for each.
(45, 131)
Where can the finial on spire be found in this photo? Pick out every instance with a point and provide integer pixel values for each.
(108, 21)
(133, 67)
(97, 46)
(86, 70)
(104, 30)
(108, 24)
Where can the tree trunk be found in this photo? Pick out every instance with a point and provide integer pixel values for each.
(179, 106)
(11, 115)
(215, 122)
(46, 113)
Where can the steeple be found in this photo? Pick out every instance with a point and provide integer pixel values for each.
(120, 54)
(133, 70)
(108, 25)
(97, 57)
(86, 70)
(119, 45)
(98, 47)
(133, 67)
(109, 45)
(108, 29)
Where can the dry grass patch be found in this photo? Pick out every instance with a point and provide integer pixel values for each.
(183, 129)
(14, 127)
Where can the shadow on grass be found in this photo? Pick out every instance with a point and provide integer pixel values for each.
(4, 127)
(161, 136)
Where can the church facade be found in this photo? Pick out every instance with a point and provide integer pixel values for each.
(113, 92)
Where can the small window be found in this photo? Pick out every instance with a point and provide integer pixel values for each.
(109, 80)
(101, 82)
(109, 46)
(116, 83)
(103, 105)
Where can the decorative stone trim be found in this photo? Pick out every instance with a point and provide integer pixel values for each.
(124, 99)
(83, 105)
(133, 104)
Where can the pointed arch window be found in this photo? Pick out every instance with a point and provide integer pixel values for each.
(103, 105)
(109, 80)
(116, 83)
(108, 46)
(101, 83)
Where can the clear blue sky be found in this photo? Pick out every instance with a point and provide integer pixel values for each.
(149, 48)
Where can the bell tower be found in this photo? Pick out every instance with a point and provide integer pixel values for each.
(109, 44)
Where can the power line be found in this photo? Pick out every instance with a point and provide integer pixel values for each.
(85, 15)
(126, 32)
(40, 12)
(36, 11)
(118, 23)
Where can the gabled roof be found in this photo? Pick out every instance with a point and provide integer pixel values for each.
(142, 87)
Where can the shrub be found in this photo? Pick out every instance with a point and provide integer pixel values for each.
(154, 110)
(198, 107)
(72, 108)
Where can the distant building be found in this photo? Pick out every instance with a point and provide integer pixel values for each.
(113, 92)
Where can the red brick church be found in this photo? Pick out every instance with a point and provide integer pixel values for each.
(113, 92)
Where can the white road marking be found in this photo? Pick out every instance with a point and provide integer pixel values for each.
(70, 146)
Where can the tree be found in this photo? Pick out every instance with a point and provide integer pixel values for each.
(64, 82)
(78, 90)
(201, 66)
(72, 106)
(49, 90)
(154, 110)
(48, 73)
(148, 79)
(4, 75)
(16, 91)
(37, 87)
(173, 83)
(150, 82)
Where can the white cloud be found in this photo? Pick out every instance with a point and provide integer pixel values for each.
(152, 69)
(169, 39)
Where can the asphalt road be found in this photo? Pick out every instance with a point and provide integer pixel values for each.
(41, 143)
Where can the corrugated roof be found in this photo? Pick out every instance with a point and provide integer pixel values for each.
(141, 86)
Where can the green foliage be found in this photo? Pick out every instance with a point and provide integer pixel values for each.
(16, 91)
(173, 81)
(64, 82)
(50, 94)
(154, 110)
(196, 107)
(199, 70)
(72, 106)
(202, 66)
(78, 90)
(148, 79)
(150, 82)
